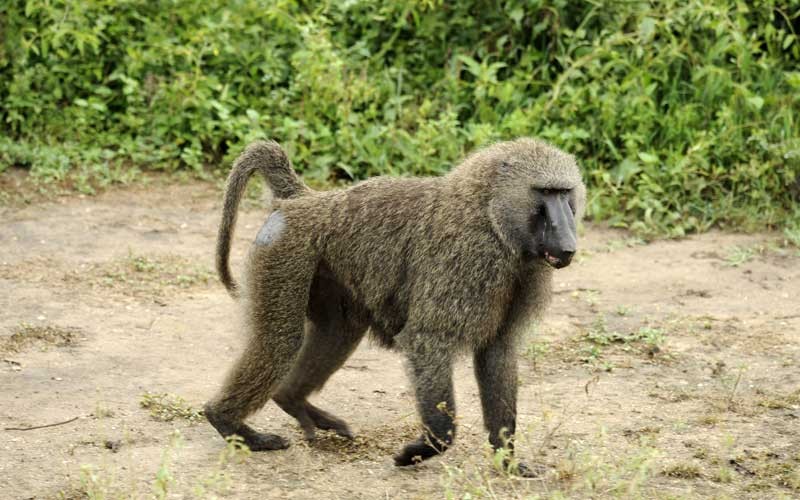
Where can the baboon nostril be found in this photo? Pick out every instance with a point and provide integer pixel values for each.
(561, 258)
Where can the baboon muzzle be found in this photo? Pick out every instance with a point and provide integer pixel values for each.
(557, 224)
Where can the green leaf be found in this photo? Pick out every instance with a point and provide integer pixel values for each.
(626, 169)
(756, 102)
(252, 114)
(647, 28)
(648, 158)
(792, 78)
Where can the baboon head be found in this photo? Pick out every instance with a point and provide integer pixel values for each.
(537, 196)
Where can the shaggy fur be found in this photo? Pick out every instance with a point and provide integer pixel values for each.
(430, 266)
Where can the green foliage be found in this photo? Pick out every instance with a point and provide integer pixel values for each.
(683, 114)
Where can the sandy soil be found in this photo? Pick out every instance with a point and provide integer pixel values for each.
(668, 370)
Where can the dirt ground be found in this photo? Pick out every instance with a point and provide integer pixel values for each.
(662, 370)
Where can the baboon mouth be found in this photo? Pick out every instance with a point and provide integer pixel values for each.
(555, 261)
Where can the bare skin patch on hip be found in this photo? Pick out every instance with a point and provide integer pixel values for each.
(272, 229)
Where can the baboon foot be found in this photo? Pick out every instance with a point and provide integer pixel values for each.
(417, 451)
(311, 418)
(523, 470)
(297, 409)
(327, 422)
(261, 441)
(256, 441)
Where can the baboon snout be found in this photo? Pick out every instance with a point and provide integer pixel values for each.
(559, 258)
(559, 235)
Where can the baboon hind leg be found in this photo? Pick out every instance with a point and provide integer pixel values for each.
(277, 299)
(332, 333)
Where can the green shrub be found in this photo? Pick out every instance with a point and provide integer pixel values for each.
(683, 114)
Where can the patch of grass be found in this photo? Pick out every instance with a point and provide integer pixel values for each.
(792, 235)
(163, 271)
(166, 407)
(709, 420)
(739, 255)
(781, 472)
(791, 479)
(582, 470)
(643, 432)
(97, 483)
(536, 351)
(723, 474)
(777, 401)
(672, 395)
(600, 335)
(94, 484)
(734, 385)
(629, 242)
(701, 96)
(26, 335)
(164, 478)
(151, 276)
(145, 275)
(623, 310)
(218, 482)
(683, 470)
(724, 471)
(101, 410)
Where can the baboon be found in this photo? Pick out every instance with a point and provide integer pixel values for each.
(432, 267)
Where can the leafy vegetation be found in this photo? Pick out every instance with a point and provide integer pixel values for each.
(166, 407)
(25, 335)
(684, 115)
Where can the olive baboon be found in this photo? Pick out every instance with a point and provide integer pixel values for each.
(430, 266)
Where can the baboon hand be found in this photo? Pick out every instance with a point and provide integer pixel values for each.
(523, 470)
(414, 453)
(256, 441)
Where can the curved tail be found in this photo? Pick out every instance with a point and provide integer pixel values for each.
(268, 158)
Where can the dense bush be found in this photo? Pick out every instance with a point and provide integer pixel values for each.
(683, 113)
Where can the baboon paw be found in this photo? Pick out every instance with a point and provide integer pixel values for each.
(415, 453)
(327, 422)
(344, 432)
(266, 442)
(309, 434)
(521, 469)
(340, 428)
(261, 441)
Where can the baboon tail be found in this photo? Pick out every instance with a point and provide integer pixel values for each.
(268, 158)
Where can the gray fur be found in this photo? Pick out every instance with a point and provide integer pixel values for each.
(429, 266)
(270, 159)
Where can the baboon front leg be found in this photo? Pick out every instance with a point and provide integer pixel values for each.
(276, 303)
(431, 372)
(496, 371)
